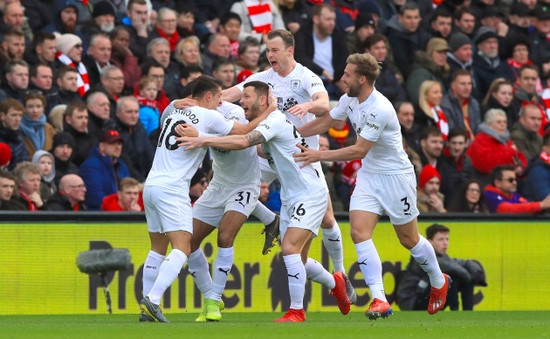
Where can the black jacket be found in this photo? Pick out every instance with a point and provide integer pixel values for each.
(84, 143)
(137, 151)
(486, 73)
(59, 202)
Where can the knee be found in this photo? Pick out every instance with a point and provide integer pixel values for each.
(358, 235)
(328, 221)
(225, 240)
(409, 241)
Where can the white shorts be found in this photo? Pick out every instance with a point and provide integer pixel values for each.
(306, 213)
(167, 210)
(390, 194)
(268, 175)
(218, 199)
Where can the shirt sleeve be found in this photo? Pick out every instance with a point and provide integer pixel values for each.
(339, 112)
(269, 128)
(217, 124)
(313, 84)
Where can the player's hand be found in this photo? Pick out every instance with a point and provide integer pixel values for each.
(183, 103)
(186, 130)
(190, 143)
(307, 155)
(300, 110)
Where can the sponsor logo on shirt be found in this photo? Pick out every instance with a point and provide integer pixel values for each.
(264, 125)
(373, 125)
(315, 84)
(290, 102)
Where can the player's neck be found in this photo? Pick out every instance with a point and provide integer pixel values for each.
(365, 93)
(287, 70)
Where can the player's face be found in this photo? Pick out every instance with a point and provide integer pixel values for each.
(250, 103)
(352, 80)
(30, 183)
(279, 57)
(6, 188)
(440, 242)
(457, 145)
(45, 163)
(215, 99)
(128, 196)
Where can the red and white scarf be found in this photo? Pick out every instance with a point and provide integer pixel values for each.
(440, 121)
(82, 81)
(260, 15)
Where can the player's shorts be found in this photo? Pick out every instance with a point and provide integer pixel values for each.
(390, 194)
(167, 210)
(306, 213)
(268, 174)
(218, 199)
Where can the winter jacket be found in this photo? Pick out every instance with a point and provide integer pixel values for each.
(14, 139)
(101, 177)
(453, 174)
(110, 203)
(537, 183)
(84, 143)
(423, 204)
(521, 98)
(500, 202)
(455, 117)
(540, 47)
(485, 72)
(59, 202)
(39, 13)
(425, 69)
(48, 142)
(150, 118)
(387, 84)
(489, 150)
(137, 151)
(529, 143)
(493, 103)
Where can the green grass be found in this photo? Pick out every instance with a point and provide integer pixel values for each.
(503, 324)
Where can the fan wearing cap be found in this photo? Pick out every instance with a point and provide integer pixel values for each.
(460, 54)
(487, 64)
(103, 170)
(365, 26)
(69, 14)
(103, 20)
(69, 53)
(429, 65)
(430, 200)
(539, 36)
(519, 19)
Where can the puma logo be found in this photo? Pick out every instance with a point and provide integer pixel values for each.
(294, 276)
(424, 263)
(337, 239)
(224, 271)
(364, 262)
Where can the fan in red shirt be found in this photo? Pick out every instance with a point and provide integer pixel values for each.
(127, 199)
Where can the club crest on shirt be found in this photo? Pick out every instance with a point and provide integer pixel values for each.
(294, 84)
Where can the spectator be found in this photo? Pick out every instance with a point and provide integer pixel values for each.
(71, 195)
(265, 18)
(441, 24)
(492, 17)
(186, 19)
(98, 114)
(454, 165)
(469, 198)
(138, 17)
(37, 132)
(487, 65)
(429, 65)
(67, 19)
(112, 84)
(431, 144)
(165, 28)
(123, 57)
(39, 14)
(537, 183)
(295, 13)
(429, 199)
(27, 197)
(137, 152)
(70, 50)
(460, 54)
(198, 185)
(41, 79)
(539, 35)
(525, 93)
(405, 34)
(502, 196)
(388, 82)
(248, 56)
(525, 132)
(154, 70)
(414, 286)
(75, 122)
(429, 100)
(230, 25)
(97, 57)
(187, 52)
(11, 113)
(460, 107)
(103, 169)
(518, 54)
(7, 187)
(224, 70)
(409, 129)
(499, 96)
(62, 150)
(66, 79)
(159, 50)
(102, 21)
(13, 46)
(217, 46)
(492, 146)
(127, 199)
(364, 28)
(322, 48)
(17, 80)
(149, 114)
(519, 19)
(465, 21)
(187, 75)
(45, 162)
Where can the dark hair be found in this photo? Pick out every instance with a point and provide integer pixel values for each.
(15, 32)
(432, 230)
(7, 175)
(440, 11)
(546, 139)
(248, 42)
(33, 72)
(430, 131)
(373, 39)
(230, 15)
(205, 84)
(260, 88)
(34, 95)
(460, 204)
(400, 104)
(132, 2)
(527, 66)
(149, 64)
(496, 173)
(117, 29)
(40, 37)
(74, 106)
(61, 71)
(10, 65)
(457, 131)
(460, 72)
(9, 103)
(185, 71)
(461, 11)
(408, 6)
(221, 62)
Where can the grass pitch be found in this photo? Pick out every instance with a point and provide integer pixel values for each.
(484, 324)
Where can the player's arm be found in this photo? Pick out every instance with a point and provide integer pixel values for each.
(230, 142)
(317, 126)
(232, 94)
(357, 151)
(318, 106)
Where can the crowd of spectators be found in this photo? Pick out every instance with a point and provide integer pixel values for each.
(84, 83)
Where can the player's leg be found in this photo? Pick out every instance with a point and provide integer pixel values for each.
(332, 238)
(159, 245)
(271, 229)
(197, 264)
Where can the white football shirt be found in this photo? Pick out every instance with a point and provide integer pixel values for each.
(234, 168)
(296, 88)
(173, 167)
(281, 138)
(375, 120)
